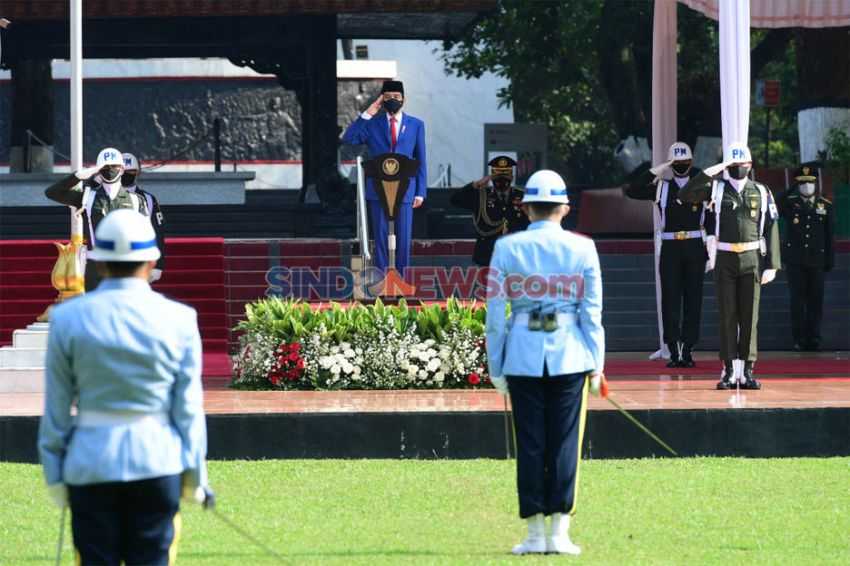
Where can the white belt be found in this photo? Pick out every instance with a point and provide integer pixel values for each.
(88, 419)
(739, 247)
(681, 235)
(564, 318)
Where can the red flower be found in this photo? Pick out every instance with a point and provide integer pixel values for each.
(292, 374)
(295, 346)
(474, 379)
(300, 363)
(274, 378)
(293, 356)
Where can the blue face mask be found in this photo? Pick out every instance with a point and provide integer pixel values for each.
(392, 105)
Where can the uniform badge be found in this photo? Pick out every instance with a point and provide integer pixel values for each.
(796, 220)
(821, 209)
(752, 214)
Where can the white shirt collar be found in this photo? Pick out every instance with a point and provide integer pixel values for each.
(398, 116)
(738, 184)
(681, 181)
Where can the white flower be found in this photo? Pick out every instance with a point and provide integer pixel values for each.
(334, 349)
(335, 370)
(423, 374)
(349, 353)
(412, 370)
(439, 377)
(347, 367)
(344, 345)
(433, 364)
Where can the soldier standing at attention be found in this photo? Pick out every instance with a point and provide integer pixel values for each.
(130, 182)
(496, 210)
(745, 253)
(681, 266)
(809, 254)
(547, 355)
(96, 198)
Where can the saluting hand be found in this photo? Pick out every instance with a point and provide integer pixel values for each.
(375, 107)
(86, 173)
(481, 182)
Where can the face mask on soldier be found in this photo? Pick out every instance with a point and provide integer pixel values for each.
(738, 171)
(110, 173)
(501, 183)
(128, 179)
(392, 105)
(681, 169)
(807, 189)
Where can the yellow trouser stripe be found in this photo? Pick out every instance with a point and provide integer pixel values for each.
(172, 550)
(581, 419)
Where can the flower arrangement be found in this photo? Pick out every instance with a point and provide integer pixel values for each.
(290, 345)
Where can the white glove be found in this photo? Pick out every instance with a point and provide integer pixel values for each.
(715, 169)
(711, 247)
(768, 276)
(194, 495)
(86, 173)
(58, 493)
(155, 275)
(660, 168)
(596, 385)
(500, 383)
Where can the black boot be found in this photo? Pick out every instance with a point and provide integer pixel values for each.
(687, 359)
(750, 379)
(675, 360)
(728, 373)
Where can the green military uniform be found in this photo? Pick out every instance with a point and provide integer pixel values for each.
(737, 272)
(494, 212)
(67, 192)
(681, 266)
(809, 253)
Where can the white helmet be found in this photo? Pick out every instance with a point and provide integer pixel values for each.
(545, 186)
(130, 162)
(111, 158)
(125, 235)
(679, 151)
(737, 153)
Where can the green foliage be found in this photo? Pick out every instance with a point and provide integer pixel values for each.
(837, 152)
(449, 512)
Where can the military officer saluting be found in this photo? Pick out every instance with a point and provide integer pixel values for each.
(745, 253)
(496, 210)
(130, 182)
(681, 267)
(100, 194)
(548, 355)
(808, 252)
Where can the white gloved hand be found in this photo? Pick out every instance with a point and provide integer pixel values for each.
(58, 493)
(768, 276)
(598, 384)
(86, 173)
(711, 247)
(194, 494)
(155, 275)
(660, 168)
(500, 383)
(715, 169)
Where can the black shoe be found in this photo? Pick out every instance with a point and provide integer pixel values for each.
(726, 381)
(750, 381)
(687, 360)
(798, 347)
(675, 361)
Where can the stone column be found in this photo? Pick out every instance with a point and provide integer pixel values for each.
(32, 109)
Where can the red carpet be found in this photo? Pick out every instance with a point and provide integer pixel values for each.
(194, 274)
(763, 368)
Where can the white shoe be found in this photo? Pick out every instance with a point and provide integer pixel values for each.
(535, 542)
(558, 541)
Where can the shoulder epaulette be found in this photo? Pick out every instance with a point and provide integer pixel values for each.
(793, 196)
(826, 200)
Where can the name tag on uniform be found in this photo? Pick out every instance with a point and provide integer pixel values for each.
(774, 214)
(820, 210)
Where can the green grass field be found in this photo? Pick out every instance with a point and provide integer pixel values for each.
(684, 511)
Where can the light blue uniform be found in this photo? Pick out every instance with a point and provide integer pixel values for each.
(117, 354)
(543, 252)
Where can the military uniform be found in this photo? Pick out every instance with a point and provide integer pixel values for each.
(493, 214)
(551, 276)
(157, 220)
(93, 202)
(681, 265)
(740, 257)
(809, 253)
